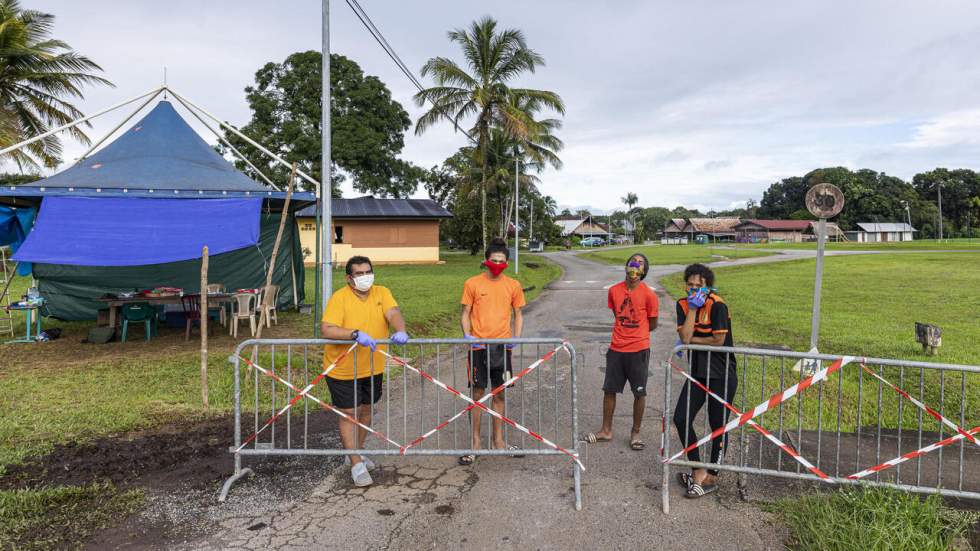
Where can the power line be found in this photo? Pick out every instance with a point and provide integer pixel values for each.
(375, 33)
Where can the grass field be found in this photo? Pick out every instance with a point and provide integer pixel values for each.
(63, 517)
(922, 244)
(870, 304)
(873, 520)
(673, 254)
(60, 391)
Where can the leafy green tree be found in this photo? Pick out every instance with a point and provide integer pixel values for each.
(37, 74)
(480, 89)
(7, 179)
(367, 125)
(961, 188)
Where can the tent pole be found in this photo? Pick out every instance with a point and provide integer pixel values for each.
(75, 122)
(118, 126)
(227, 143)
(187, 103)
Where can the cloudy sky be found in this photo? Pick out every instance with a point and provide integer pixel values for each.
(697, 103)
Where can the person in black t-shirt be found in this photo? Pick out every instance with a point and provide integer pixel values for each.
(703, 318)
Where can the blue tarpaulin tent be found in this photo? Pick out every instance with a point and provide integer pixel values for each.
(136, 213)
(134, 231)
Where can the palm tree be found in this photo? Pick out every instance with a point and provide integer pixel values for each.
(630, 200)
(36, 73)
(480, 89)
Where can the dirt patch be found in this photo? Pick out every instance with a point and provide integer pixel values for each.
(178, 467)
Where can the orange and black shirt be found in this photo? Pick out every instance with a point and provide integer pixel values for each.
(712, 319)
(633, 310)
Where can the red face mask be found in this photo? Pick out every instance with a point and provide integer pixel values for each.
(495, 268)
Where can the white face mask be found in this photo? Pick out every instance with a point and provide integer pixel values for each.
(364, 282)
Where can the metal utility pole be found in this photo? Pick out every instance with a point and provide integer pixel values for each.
(517, 213)
(530, 225)
(326, 187)
(939, 187)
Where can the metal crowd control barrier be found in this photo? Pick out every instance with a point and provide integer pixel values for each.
(424, 405)
(908, 425)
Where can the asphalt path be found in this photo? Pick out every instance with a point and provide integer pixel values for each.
(431, 502)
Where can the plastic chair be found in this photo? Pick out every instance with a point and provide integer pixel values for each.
(139, 312)
(242, 308)
(191, 304)
(222, 309)
(271, 308)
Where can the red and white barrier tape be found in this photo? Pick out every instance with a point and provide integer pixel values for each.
(296, 398)
(485, 397)
(775, 400)
(912, 455)
(323, 404)
(935, 414)
(475, 404)
(779, 443)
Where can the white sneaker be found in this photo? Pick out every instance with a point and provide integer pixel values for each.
(361, 475)
(371, 465)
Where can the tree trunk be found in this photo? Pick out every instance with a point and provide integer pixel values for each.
(483, 196)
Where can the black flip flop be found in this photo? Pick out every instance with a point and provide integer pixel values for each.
(695, 490)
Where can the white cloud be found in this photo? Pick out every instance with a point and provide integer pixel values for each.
(694, 103)
(950, 129)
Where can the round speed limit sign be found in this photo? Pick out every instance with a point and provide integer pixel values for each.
(824, 200)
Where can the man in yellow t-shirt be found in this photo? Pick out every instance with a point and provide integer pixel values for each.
(489, 300)
(361, 312)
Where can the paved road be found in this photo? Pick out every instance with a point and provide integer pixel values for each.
(422, 503)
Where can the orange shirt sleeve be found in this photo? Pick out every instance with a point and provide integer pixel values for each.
(517, 296)
(467, 294)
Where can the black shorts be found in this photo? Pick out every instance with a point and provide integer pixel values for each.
(627, 366)
(342, 391)
(478, 371)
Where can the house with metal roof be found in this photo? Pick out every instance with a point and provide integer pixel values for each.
(881, 232)
(769, 231)
(582, 227)
(388, 231)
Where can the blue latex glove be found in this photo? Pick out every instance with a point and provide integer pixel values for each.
(469, 337)
(364, 339)
(680, 353)
(400, 337)
(510, 346)
(696, 299)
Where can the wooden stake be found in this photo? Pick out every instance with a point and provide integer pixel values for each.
(275, 252)
(204, 326)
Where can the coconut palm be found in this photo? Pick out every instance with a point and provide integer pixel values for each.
(480, 88)
(37, 73)
(630, 200)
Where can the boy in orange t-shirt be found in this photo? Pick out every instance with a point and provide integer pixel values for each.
(635, 308)
(488, 301)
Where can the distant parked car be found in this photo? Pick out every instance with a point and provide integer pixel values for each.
(622, 240)
(592, 242)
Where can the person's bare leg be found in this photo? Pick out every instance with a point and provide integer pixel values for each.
(639, 407)
(364, 413)
(608, 409)
(498, 425)
(348, 436)
(475, 415)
